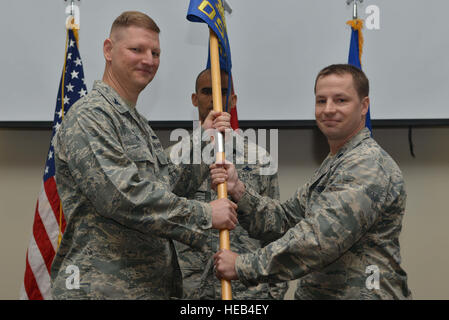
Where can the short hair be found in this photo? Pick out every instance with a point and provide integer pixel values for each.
(202, 72)
(135, 18)
(361, 82)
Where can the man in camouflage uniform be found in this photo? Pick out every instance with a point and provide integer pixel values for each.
(119, 192)
(196, 266)
(340, 232)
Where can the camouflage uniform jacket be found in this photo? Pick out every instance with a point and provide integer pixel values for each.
(347, 218)
(199, 281)
(116, 184)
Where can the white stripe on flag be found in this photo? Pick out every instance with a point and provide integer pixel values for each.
(48, 218)
(39, 269)
(23, 294)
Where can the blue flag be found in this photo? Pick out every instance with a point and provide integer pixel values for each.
(354, 57)
(212, 13)
(354, 52)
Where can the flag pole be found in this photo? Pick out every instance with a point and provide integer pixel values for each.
(70, 25)
(226, 291)
(62, 118)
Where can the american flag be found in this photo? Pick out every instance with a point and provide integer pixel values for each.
(49, 222)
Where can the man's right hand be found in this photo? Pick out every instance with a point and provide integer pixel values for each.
(226, 172)
(220, 121)
(224, 215)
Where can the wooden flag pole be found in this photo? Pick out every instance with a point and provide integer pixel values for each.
(226, 291)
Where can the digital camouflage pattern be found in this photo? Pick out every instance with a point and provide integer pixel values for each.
(346, 218)
(199, 281)
(115, 184)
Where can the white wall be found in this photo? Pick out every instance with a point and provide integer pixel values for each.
(277, 48)
(424, 239)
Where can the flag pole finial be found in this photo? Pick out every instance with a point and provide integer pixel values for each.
(73, 20)
(227, 6)
(354, 12)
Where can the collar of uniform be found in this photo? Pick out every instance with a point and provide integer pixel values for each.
(359, 137)
(112, 96)
(332, 159)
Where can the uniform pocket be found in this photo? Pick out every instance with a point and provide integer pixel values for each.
(138, 153)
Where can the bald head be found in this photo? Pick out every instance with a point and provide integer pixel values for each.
(202, 98)
(207, 74)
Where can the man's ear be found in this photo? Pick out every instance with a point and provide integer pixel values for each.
(195, 99)
(107, 49)
(365, 105)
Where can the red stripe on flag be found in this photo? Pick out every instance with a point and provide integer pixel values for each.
(234, 118)
(54, 200)
(42, 240)
(30, 283)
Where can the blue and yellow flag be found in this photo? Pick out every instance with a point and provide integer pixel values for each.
(212, 13)
(355, 55)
